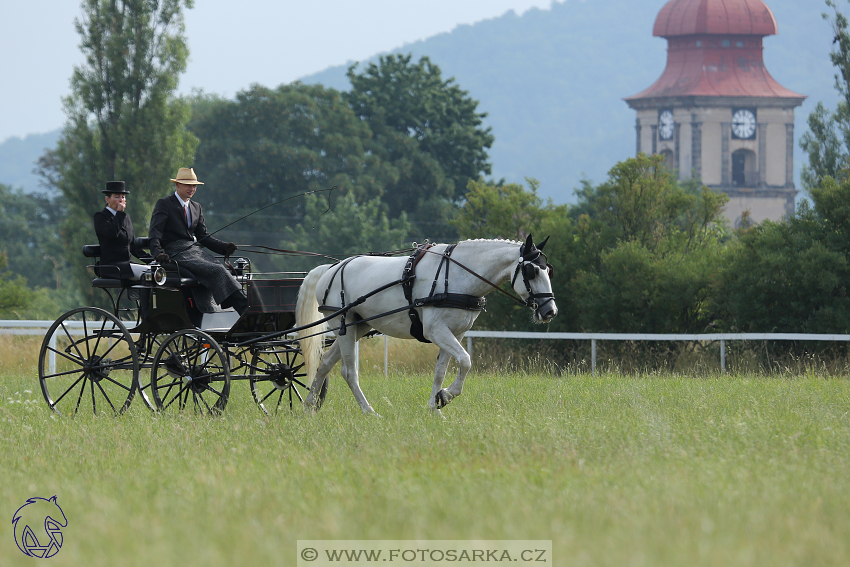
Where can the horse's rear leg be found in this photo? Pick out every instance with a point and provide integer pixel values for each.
(347, 344)
(329, 359)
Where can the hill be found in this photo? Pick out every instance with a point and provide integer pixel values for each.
(552, 82)
(18, 158)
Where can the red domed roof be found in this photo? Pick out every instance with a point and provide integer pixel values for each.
(729, 17)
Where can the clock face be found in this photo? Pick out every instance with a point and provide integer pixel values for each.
(665, 125)
(743, 124)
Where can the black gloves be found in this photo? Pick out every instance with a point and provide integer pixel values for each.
(229, 249)
(162, 258)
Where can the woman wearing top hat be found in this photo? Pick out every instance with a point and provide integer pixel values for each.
(178, 230)
(115, 235)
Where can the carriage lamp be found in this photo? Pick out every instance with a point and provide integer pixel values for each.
(242, 265)
(156, 275)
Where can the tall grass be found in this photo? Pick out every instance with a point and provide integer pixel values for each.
(616, 469)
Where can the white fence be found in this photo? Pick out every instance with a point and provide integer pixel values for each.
(40, 327)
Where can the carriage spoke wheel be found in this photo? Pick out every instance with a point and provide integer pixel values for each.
(152, 343)
(276, 376)
(88, 363)
(190, 371)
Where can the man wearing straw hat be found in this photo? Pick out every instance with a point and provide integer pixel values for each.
(177, 231)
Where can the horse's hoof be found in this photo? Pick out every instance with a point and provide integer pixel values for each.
(442, 399)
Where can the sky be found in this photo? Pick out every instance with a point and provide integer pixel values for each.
(263, 41)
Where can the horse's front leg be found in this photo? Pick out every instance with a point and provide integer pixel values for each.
(449, 344)
(443, 359)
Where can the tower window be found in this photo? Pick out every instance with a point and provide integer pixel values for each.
(739, 44)
(725, 43)
(744, 169)
(698, 43)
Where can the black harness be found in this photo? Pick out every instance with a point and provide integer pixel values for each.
(445, 299)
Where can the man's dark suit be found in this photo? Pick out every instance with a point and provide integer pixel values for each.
(168, 224)
(169, 234)
(116, 238)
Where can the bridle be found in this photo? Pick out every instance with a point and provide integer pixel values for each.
(529, 265)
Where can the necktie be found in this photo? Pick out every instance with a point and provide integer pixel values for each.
(186, 210)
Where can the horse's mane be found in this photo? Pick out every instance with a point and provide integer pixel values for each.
(492, 240)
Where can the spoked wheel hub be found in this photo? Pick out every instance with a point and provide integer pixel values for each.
(281, 376)
(97, 368)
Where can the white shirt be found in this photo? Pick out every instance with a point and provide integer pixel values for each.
(186, 211)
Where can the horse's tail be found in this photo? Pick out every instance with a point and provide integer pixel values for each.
(306, 313)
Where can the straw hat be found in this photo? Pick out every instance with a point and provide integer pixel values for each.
(186, 176)
(115, 187)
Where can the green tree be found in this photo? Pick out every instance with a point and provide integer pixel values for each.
(792, 276)
(15, 295)
(827, 143)
(123, 120)
(426, 131)
(646, 251)
(273, 144)
(30, 238)
(348, 228)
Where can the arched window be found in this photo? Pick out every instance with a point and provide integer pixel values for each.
(744, 173)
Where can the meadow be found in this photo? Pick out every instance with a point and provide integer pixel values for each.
(646, 469)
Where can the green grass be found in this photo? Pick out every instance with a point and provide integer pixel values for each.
(616, 470)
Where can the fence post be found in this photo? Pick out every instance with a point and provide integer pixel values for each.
(469, 347)
(386, 355)
(592, 357)
(722, 356)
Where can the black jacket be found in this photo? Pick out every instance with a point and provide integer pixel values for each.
(168, 224)
(115, 236)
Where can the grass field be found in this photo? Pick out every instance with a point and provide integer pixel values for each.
(652, 470)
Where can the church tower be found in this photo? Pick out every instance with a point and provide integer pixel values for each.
(715, 113)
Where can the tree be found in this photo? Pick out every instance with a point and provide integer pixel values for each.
(15, 295)
(426, 130)
(123, 120)
(646, 251)
(827, 142)
(792, 276)
(349, 227)
(29, 235)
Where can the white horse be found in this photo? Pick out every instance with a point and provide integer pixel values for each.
(371, 283)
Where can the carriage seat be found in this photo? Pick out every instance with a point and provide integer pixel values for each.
(186, 278)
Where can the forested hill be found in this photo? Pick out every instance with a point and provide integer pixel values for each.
(553, 80)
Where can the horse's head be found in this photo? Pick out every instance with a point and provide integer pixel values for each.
(535, 285)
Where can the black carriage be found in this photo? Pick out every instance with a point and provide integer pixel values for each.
(160, 343)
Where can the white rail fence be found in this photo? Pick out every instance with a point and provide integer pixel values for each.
(10, 327)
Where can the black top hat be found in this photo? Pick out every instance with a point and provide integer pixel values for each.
(114, 187)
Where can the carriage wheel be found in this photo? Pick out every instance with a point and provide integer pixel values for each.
(152, 344)
(190, 370)
(88, 362)
(276, 377)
